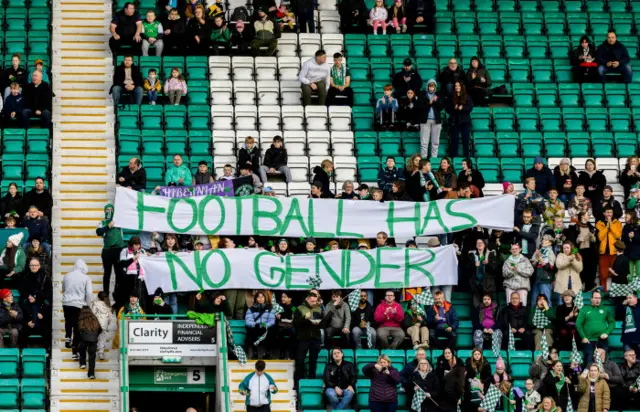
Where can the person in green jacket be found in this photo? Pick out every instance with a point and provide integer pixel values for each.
(594, 324)
(113, 243)
(13, 257)
(257, 387)
(179, 174)
(220, 36)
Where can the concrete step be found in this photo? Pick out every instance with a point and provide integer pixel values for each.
(84, 93)
(76, 403)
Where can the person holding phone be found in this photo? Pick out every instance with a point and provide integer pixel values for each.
(158, 304)
(629, 177)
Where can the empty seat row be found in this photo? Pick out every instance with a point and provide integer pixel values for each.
(149, 117)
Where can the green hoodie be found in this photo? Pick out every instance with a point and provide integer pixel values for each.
(594, 321)
(112, 236)
(174, 174)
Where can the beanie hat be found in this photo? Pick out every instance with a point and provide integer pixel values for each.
(16, 239)
(499, 363)
(4, 293)
(505, 186)
(538, 159)
(310, 240)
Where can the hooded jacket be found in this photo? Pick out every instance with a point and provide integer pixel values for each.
(102, 312)
(544, 178)
(275, 157)
(615, 52)
(426, 106)
(602, 395)
(400, 85)
(249, 155)
(481, 72)
(38, 229)
(112, 236)
(76, 286)
(518, 276)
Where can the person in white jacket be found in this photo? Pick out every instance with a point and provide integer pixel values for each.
(101, 307)
(76, 293)
(517, 271)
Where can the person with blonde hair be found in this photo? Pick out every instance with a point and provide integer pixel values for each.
(383, 395)
(596, 396)
(549, 405)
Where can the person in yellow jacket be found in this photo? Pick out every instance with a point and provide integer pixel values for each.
(609, 231)
(152, 86)
(132, 309)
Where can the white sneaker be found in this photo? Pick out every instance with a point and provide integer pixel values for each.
(153, 103)
(101, 355)
(75, 356)
(176, 104)
(416, 346)
(83, 366)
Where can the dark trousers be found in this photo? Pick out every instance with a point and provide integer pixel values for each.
(336, 97)
(590, 264)
(440, 338)
(341, 341)
(304, 17)
(44, 331)
(383, 406)
(45, 118)
(304, 346)
(478, 96)
(458, 130)
(524, 343)
(263, 408)
(71, 314)
(116, 45)
(90, 347)
(110, 261)
(589, 347)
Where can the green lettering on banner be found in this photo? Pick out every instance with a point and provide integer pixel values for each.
(408, 266)
(472, 221)
(262, 214)
(272, 270)
(172, 207)
(238, 201)
(142, 209)
(370, 274)
(433, 213)
(339, 279)
(202, 214)
(392, 220)
(294, 213)
(172, 260)
(290, 270)
(201, 266)
(379, 266)
(312, 224)
(339, 232)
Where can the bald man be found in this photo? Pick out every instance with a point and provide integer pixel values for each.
(191, 410)
(37, 101)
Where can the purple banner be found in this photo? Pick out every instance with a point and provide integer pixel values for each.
(219, 188)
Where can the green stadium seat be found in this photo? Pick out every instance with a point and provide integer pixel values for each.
(621, 21)
(550, 6)
(359, 68)
(487, 22)
(369, 166)
(543, 72)
(512, 169)
(527, 119)
(199, 117)
(514, 47)
(626, 143)
(616, 95)
(481, 119)
(461, 5)
(34, 362)
(465, 329)
(176, 141)
(390, 143)
(491, 46)
(554, 143)
(396, 356)
(631, 43)
(577, 23)
(377, 46)
(546, 94)
(579, 144)
(355, 45)
(484, 144)
(446, 46)
(171, 62)
(423, 45)
(9, 391)
(365, 356)
(597, 119)
(362, 118)
(498, 70)
(13, 166)
(427, 68)
(573, 119)
(465, 23)
(198, 92)
(445, 22)
(508, 144)
(9, 361)
(603, 144)
(411, 142)
(381, 70)
(531, 144)
(620, 119)
(400, 45)
(523, 94)
(504, 119)
(537, 47)
(363, 387)
(13, 141)
(175, 117)
(197, 67)
(37, 165)
(38, 141)
(129, 142)
(519, 70)
(469, 46)
(310, 392)
(600, 22)
(532, 23)
(562, 69)
(128, 117)
(592, 94)
(506, 6)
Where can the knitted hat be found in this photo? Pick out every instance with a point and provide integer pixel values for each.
(16, 239)
(310, 240)
(4, 293)
(505, 186)
(500, 363)
(38, 61)
(538, 159)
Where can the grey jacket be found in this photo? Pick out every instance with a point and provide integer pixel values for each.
(615, 375)
(517, 277)
(76, 286)
(338, 317)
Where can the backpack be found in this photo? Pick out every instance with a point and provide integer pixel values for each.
(240, 13)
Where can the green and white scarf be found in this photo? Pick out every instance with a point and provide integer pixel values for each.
(133, 310)
(539, 320)
(338, 74)
(629, 321)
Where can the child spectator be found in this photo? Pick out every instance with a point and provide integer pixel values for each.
(275, 161)
(39, 64)
(410, 113)
(377, 195)
(240, 40)
(174, 30)
(152, 33)
(428, 181)
(323, 174)
(544, 261)
(228, 172)
(90, 330)
(203, 176)
(38, 228)
(13, 103)
(285, 18)
(249, 155)
(386, 108)
(10, 222)
(531, 397)
(152, 86)
(245, 170)
(14, 74)
(378, 17)
(175, 87)
(101, 308)
(220, 36)
(397, 16)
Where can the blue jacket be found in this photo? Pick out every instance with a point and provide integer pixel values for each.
(450, 316)
(386, 177)
(13, 104)
(612, 53)
(255, 386)
(385, 103)
(255, 317)
(38, 229)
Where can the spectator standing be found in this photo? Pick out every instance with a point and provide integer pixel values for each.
(258, 387)
(275, 161)
(630, 176)
(596, 396)
(389, 316)
(179, 174)
(611, 374)
(540, 322)
(514, 316)
(486, 322)
(362, 322)
(152, 34)
(478, 372)
(593, 180)
(630, 370)
(530, 200)
(127, 79)
(77, 292)
(133, 310)
(315, 78)
(583, 60)
(266, 31)
(133, 176)
(631, 249)
(13, 103)
(605, 200)
(113, 243)
(286, 331)
(89, 329)
(566, 180)
(353, 16)
(101, 308)
(415, 325)
(631, 315)
(175, 87)
(442, 320)
(337, 317)
(569, 265)
(526, 233)
(198, 31)
(340, 92)
(306, 320)
(431, 106)
(126, 30)
(15, 73)
(11, 318)
(451, 75)
(459, 108)
(609, 231)
(556, 385)
(37, 102)
(543, 176)
(259, 320)
(452, 388)
(128, 283)
(304, 11)
(544, 262)
(613, 57)
(383, 395)
(479, 82)
(579, 203)
(339, 380)
(564, 317)
(409, 368)
(595, 323)
(406, 79)
(583, 235)
(388, 175)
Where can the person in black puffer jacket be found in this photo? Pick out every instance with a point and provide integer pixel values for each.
(275, 160)
(384, 384)
(323, 174)
(550, 383)
(89, 328)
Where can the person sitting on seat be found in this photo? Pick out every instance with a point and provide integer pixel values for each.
(15, 73)
(37, 101)
(406, 79)
(389, 316)
(340, 93)
(220, 36)
(315, 78)
(378, 17)
(442, 320)
(613, 57)
(152, 33)
(420, 16)
(179, 174)
(266, 35)
(583, 60)
(275, 161)
(486, 323)
(13, 104)
(126, 29)
(339, 380)
(240, 40)
(353, 16)
(386, 109)
(10, 318)
(174, 30)
(127, 79)
(133, 176)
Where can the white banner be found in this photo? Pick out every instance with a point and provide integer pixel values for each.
(320, 218)
(339, 269)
